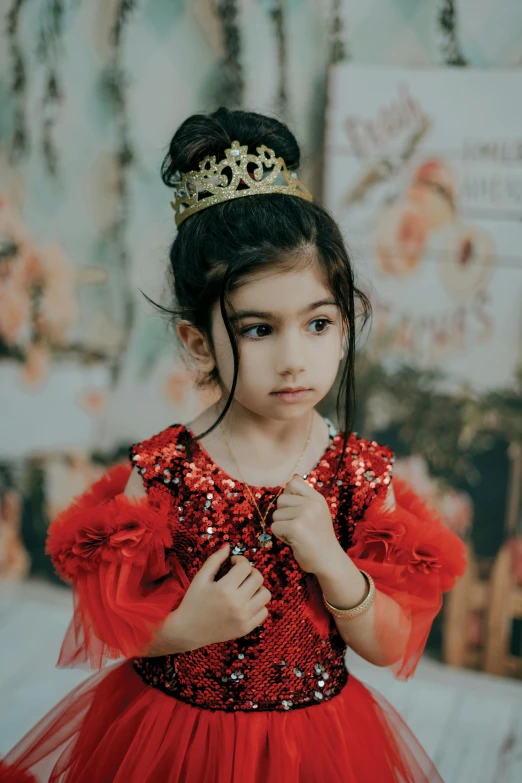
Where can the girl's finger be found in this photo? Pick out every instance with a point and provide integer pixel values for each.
(280, 530)
(300, 487)
(284, 514)
(288, 500)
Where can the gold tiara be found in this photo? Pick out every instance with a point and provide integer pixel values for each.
(219, 186)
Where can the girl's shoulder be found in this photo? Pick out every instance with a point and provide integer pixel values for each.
(365, 472)
(362, 470)
(155, 456)
(365, 459)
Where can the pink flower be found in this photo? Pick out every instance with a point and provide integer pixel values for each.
(58, 309)
(401, 239)
(15, 313)
(37, 364)
(176, 386)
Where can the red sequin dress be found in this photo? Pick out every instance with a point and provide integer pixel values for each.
(275, 705)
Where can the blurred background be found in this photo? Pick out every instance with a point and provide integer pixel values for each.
(409, 117)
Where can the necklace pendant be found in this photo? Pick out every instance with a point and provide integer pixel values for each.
(265, 540)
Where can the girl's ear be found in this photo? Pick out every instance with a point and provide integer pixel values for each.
(196, 344)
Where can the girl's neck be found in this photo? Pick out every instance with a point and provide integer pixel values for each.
(245, 426)
(266, 454)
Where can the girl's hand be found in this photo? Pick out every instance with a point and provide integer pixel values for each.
(302, 520)
(217, 611)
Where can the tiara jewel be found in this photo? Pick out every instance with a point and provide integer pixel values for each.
(230, 178)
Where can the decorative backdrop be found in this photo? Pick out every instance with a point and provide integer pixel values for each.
(90, 94)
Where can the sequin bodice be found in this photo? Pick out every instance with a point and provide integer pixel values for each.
(285, 663)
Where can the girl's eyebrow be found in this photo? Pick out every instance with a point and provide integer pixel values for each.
(240, 314)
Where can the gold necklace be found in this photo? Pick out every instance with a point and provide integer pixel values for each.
(265, 539)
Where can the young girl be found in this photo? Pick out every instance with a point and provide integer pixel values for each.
(236, 557)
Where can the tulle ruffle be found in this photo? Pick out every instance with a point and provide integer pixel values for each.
(115, 728)
(413, 559)
(114, 552)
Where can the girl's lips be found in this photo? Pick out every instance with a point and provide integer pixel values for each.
(291, 396)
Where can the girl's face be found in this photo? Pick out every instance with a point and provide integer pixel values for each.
(289, 333)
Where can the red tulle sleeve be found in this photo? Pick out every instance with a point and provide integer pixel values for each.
(113, 550)
(414, 559)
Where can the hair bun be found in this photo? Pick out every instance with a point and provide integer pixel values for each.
(211, 134)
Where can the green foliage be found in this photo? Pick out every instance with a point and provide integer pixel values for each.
(449, 428)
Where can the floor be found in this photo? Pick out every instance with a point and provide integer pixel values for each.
(470, 724)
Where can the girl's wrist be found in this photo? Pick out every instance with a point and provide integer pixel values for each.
(335, 565)
(171, 638)
(343, 586)
(179, 632)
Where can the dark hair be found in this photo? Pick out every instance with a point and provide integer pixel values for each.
(216, 248)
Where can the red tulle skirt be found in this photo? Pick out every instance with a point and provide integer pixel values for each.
(114, 728)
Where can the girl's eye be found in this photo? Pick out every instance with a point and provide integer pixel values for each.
(325, 321)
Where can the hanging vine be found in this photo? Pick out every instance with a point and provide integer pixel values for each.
(49, 50)
(20, 140)
(338, 49)
(115, 85)
(230, 86)
(277, 14)
(447, 21)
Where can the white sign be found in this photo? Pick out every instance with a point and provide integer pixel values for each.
(423, 171)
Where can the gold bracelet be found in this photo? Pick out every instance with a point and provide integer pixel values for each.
(346, 614)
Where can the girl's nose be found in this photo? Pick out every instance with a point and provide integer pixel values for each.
(291, 354)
